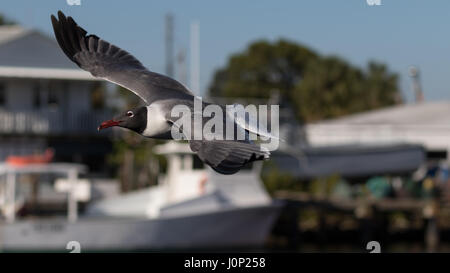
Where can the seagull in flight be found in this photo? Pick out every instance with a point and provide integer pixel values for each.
(159, 92)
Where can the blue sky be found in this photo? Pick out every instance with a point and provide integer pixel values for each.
(399, 32)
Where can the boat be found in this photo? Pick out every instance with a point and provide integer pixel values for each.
(190, 208)
(31, 159)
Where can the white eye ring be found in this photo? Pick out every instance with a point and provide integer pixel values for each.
(130, 114)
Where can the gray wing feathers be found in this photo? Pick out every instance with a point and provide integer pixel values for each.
(224, 156)
(107, 61)
(227, 157)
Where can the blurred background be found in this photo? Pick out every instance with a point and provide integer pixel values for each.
(364, 109)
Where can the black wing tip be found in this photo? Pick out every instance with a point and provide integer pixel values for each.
(239, 154)
(61, 15)
(66, 33)
(58, 17)
(57, 13)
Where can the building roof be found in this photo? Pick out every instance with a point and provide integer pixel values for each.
(27, 53)
(11, 32)
(437, 113)
(422, 123)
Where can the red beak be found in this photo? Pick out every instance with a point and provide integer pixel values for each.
(107, 124)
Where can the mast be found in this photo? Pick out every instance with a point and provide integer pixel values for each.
(416, 86)
(169, 45)
(195, 58)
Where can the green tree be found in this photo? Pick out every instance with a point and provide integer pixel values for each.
(381, 86)
(5, 21)
(332, 88)
(262, 69)
(316, 87)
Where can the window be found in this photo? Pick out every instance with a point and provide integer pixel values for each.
(436, 154)
(2, 95)
(198, 163)
(37, 96)
(52, 99)
(97, 96)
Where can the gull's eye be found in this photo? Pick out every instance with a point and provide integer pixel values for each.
(130, 114)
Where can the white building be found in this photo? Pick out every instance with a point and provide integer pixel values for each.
(46, 101)
(427, 124)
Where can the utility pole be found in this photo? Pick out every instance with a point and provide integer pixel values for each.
(195, 58)
(169, 45)
(181, 66)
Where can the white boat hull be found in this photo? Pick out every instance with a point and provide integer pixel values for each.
(227, 228)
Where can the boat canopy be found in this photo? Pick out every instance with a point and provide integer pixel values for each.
(351, 161)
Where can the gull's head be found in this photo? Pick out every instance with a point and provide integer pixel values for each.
(134, 119)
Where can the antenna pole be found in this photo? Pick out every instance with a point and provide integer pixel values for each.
(195, 58)
(169, 45)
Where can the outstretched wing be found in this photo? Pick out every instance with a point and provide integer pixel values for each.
(224, 156)
(107, 61)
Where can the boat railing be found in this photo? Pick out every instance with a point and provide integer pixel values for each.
(8, 200)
